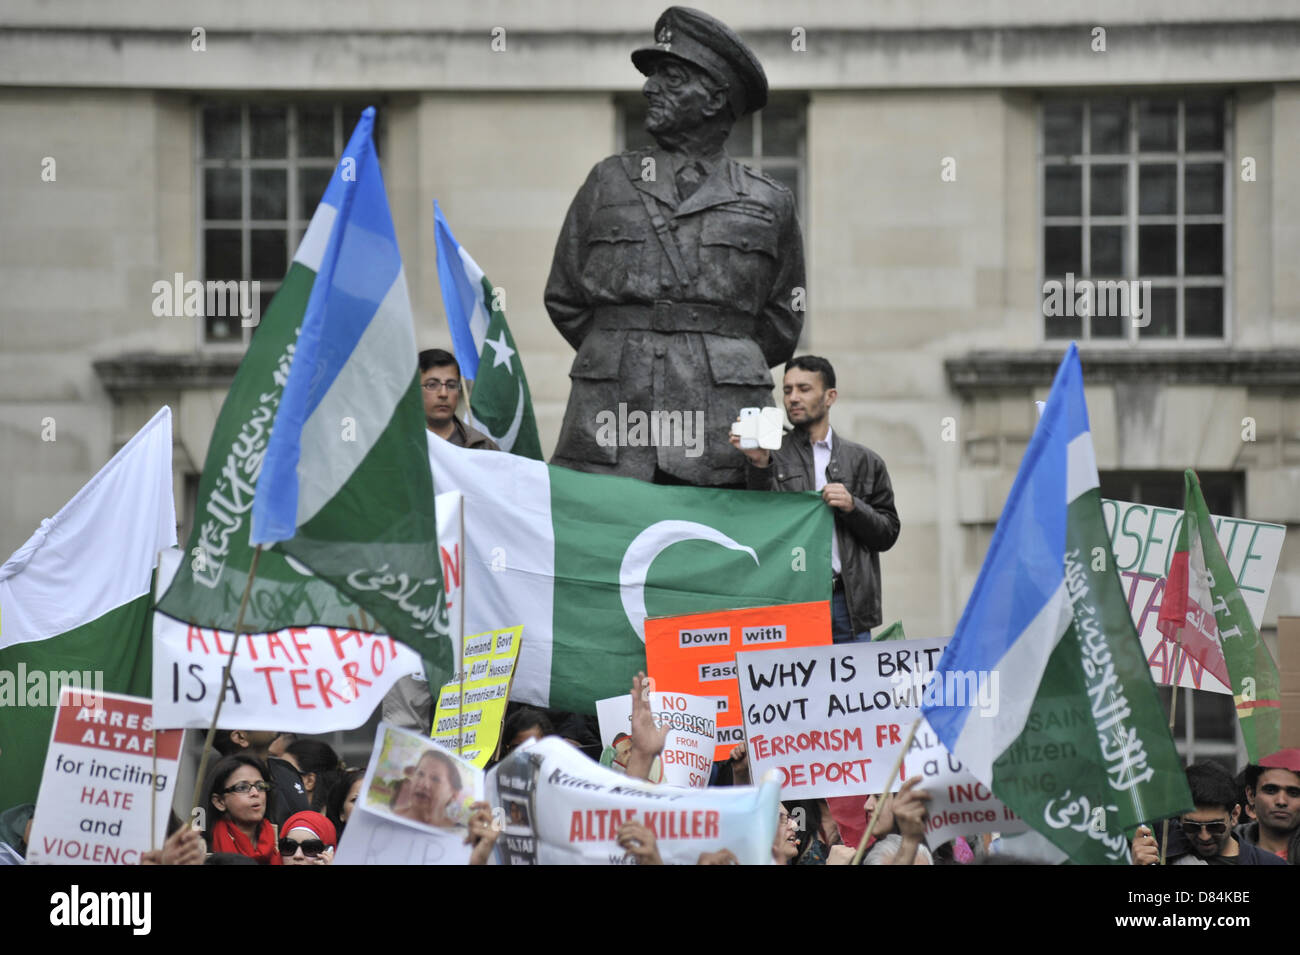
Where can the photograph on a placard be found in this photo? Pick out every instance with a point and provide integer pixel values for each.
(414, 780)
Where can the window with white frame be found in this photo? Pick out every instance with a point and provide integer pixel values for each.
(262, 169)
(1135, 189)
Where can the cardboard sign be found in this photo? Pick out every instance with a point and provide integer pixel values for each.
(413, 806)
(473, 729)
(560, 808)
(1144, 538)
(302, 680)
(99, 780)
(696, 653)
(687, 757)
(959, 803)
(832, 720)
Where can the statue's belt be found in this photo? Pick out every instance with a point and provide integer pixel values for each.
(675, 317)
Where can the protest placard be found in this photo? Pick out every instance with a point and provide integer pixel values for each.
(473, 729)
(301, 680)
(832, 721)
(696, 653)
(560, 808)
(959, 803)
(687, 757)
(1144, 538)
(100, 780)
(413, 806)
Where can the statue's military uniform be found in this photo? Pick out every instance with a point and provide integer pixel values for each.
(675, 306)
(652, 342)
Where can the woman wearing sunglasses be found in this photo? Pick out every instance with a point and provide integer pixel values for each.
(308, 840)
(238, 787)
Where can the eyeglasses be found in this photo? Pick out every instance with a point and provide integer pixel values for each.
(244, 788)
(310, 847)
(1193, 829)
(433, 384)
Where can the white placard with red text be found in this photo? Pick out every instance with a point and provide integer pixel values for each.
(100, 775)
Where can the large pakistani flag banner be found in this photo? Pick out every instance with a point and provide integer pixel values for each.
(1077, 744)
(1205, 615)
(74, 601)
(348, 491)
(580, 560)
(285, 593)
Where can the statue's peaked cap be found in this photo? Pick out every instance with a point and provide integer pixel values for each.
(694, 36)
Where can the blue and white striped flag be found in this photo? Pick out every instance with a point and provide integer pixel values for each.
(345, 488)
(1071, 735)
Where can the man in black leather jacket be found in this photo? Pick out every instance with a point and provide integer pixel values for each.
(852, 480)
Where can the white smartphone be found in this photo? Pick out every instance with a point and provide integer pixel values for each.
(747, 427)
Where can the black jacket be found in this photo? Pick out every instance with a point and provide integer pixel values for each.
(1248, 834)
(871, 527)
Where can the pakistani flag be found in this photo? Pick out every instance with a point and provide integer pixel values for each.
(1202, 610)
(500, 404)
(346, 490)
(74, 601)
(580, 560)
(1077, 744)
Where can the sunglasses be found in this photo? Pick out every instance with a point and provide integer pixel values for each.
(1193, 829)
(310, 847)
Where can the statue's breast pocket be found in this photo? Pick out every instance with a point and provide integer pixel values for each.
(738, 253)
(615, 241)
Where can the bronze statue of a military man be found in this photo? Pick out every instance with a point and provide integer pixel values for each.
(679, 274)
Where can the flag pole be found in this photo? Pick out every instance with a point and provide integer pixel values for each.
(893, 774)
(464, 583)
(1173, 709)
(225, 680)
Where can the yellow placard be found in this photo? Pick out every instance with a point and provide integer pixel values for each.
(471, 707)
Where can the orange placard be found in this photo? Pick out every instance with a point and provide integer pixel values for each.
(696, 653)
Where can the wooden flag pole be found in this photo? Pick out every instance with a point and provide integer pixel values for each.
(1173, 709)
(460, 653)
(880, 800)
(225, 680)
(153, 794)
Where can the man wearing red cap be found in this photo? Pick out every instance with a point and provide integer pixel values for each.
(678, 275)
(1273, 788)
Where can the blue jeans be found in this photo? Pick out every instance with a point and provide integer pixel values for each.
(841, 626)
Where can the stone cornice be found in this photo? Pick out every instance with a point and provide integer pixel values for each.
(577, 56)
(982, 372)
(150, 371)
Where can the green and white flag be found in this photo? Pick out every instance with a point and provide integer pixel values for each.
(1077, 743)
(208, 586)
(500, 404)
(1203, 611)
(580, 560)
(74, 601)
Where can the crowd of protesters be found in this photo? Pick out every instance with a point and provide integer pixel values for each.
(275, 799)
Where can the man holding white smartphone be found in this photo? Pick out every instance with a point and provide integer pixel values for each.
(852, 479)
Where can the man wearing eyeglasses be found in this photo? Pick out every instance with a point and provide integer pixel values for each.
(1204, 836)
(441, 384)
(409, 704)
